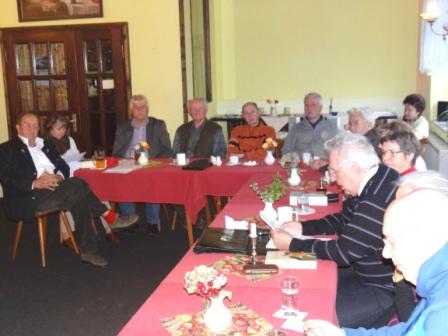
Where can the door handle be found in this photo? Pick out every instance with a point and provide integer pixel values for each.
(74, 122)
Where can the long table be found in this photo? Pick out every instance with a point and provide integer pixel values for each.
(317, 294)
(166, 183)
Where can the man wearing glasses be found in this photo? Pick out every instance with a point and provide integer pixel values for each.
(365, 287)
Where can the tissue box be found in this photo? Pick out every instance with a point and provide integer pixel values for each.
(88, 164)
(315, 199)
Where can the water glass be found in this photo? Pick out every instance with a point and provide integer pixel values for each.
(303, 202)
(289, 290)
(100, 158)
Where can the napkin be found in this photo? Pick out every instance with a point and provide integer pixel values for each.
(230, 223)
(216, 160)
(292, 322)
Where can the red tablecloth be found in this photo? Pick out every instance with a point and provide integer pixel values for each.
(317, 294)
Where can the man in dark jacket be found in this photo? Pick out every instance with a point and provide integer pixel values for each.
(200, 137)
(35, 178)
(153, 132)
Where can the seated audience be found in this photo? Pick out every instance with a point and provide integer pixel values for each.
(414, 105)
(34, 178)
(199, 137)
(399, 148)
(153, 131)
(310, 134)
(362, 121)
(365, 287)
(57, 132)
(246, 140)
(416, 239)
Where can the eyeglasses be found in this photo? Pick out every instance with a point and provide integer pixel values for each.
(389, 152)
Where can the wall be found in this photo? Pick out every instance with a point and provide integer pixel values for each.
(155, 52)
(350, 50)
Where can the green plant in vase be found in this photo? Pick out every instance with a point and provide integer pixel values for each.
(272, 192)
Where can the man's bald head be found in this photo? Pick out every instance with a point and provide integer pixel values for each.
(415, 229)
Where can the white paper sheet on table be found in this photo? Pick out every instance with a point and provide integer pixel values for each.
(122, 169)
(271, 244)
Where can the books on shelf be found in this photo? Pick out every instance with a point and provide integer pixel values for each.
(292, 260)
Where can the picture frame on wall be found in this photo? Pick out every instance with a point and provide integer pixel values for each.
(43, 10)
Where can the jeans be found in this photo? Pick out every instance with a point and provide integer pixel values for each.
(152, 211)
(358, 305)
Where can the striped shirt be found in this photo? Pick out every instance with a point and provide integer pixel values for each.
(359, 226)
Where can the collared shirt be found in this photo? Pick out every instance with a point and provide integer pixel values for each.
(368, 175)
(40, 160)
(138, 135)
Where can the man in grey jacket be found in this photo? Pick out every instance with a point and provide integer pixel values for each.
(310, 134)
(142, 128)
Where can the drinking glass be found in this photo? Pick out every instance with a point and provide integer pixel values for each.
(100, 158)
(304, 203)
(289, 290)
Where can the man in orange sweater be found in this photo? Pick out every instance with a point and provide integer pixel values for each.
(247, 140)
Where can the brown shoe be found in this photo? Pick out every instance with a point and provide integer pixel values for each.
(68, 243)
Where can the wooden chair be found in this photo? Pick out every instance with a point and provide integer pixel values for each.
(423, 143)
(41, 218)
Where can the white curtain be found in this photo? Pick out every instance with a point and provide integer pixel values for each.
(433, 49)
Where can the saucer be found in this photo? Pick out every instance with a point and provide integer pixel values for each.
(174, 162)
(250, 163)
(304, 212)
(230, 164)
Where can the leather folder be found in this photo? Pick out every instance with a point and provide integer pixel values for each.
(230, 241)
(200, 164)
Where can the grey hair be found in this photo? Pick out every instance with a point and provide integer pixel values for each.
(200, 100)
(354, 149)
(428, 179)
(138, 97)
(366, 113)
(314, 95)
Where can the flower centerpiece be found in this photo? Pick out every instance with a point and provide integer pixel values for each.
(269, 145)
(141, 152)
(207, 282)
(290, 161)
(271, 193)
(273, 106)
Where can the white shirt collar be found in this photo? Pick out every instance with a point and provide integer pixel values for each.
(369, 172)
(39, 141)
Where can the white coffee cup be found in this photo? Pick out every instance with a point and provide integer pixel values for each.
(181, 159)
(234, 159)
(306, 158)
(284, 214)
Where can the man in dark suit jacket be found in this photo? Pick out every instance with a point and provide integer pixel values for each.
(142, 128)
(35, 178)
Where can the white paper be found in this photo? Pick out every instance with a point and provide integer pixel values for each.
(283, 314)
(271, 245)
(230, 223)
(122, 169)
(74, 157)
(293, 324)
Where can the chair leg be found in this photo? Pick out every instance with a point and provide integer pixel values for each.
(208, 217)
(173, 222)
(17, 240)
(165, 211)
(63, 218)
(40, 225)
(218, 204)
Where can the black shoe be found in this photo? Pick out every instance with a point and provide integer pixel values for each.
(153, 229)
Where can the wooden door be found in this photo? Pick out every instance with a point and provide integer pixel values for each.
(81, 71)
(40, 77)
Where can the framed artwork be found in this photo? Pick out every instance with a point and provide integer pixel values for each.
(42, 10)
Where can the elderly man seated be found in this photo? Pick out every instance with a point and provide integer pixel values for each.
(361, 120)
(247, 140)
(416, 239)
(310, 134)
(365, 287)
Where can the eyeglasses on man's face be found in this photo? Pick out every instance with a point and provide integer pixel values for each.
(389, 152)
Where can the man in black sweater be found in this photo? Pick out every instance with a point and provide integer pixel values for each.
(365, 287)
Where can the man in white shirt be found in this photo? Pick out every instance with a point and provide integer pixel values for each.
(35, 178)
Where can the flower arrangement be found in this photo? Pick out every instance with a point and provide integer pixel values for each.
(273, 106)
(141, 147)
(290, 160)
(272, 101)
(272, 192)
(269, 144)
(205, 281)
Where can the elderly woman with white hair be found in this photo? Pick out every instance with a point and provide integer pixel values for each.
(365, 287)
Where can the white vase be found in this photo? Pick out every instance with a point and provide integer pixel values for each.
(294, 180)
(217, 317)
(274, 111)
(269, 211)
(269, 159)
(143, 159)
